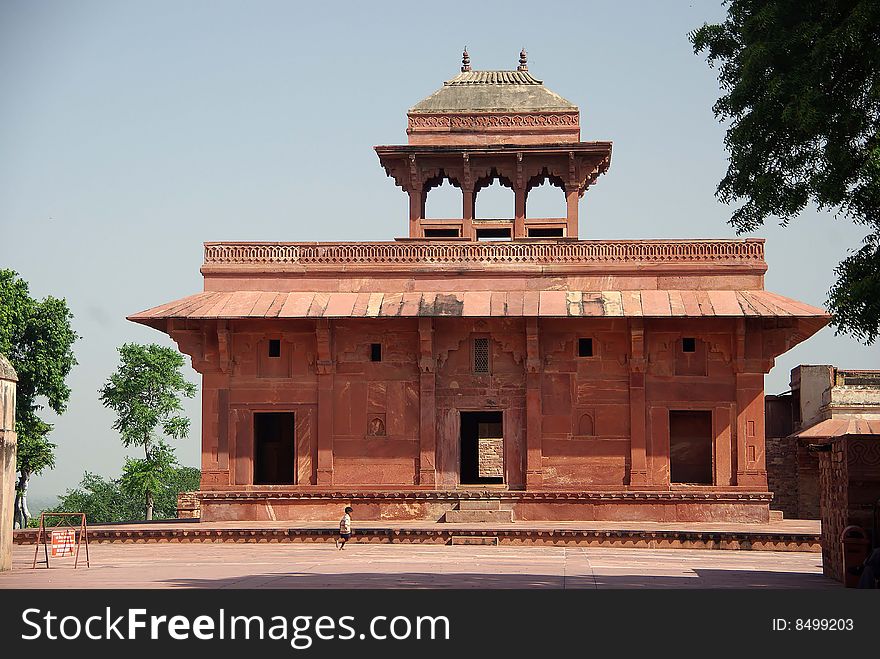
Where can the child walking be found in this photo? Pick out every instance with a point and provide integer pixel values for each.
(344, 528)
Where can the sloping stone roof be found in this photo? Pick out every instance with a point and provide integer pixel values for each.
(493, 91)
(532, 303)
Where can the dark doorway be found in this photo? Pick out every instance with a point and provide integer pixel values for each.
(482, 448)
(690, 447)
(274, 453)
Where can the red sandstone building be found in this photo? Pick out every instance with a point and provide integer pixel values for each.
(548, 376)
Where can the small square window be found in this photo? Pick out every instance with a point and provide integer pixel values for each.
(274, 347)
(481, 355)
(688, 344)
(585, 347)
(375, 352)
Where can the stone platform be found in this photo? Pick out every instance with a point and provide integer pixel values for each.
(688, 504)
(785, 535)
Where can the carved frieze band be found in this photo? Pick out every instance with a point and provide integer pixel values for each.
(692, 251)
(487, 121)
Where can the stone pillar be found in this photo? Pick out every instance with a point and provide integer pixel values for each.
(325, 404)
(519, 216)
(427, 402)
(467, 199)
(415, 213)
(638, 469)
(571, 203)
(467, 212)
(8, 443)
(534, 453)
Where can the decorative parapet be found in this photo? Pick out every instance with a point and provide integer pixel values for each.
(492, 120)
(748, 253)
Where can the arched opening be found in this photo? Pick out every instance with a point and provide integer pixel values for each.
(586, 426)
(442, 199)
(494, 198)
(545, 197)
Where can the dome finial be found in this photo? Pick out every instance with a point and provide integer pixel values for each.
(523, 62)
(465, 61)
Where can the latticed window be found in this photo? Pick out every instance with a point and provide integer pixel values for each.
(481, 355)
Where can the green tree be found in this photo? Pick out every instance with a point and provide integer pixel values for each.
(37, 338)
(106, 500)
(801, 92)
(145, 393)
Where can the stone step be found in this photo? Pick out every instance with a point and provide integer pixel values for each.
(479, 516)
(479, 504)
(776, 515)
(473, 540)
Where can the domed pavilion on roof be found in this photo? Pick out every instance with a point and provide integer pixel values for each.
(504, 359)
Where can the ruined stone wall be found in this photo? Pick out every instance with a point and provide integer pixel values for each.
(782, 474)
(849, 481)
(833, 486)
(8, 445)
(491, 458)
(808, 483)
(188, 505)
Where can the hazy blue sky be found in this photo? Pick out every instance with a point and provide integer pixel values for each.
(131, 132)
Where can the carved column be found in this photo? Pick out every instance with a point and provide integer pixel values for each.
(572, 192)
(519, 192)
(325, 370)
(638, 470)
(571, 213)
(534, 453)
(467, 200)
(427, 413)
(416, 199)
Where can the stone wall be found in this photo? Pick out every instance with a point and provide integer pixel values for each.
(849, 482)
(833, 486)
(808, 483)
(8, 445)
(188, 505)
(782, 475)
(491, 457)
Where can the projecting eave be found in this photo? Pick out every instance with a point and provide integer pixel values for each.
(583, 148)
(232, 305)
(839, 426)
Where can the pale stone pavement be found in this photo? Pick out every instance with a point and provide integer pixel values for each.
(320, 565)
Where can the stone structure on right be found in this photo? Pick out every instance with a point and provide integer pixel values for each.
(824, 402)
(823, 457)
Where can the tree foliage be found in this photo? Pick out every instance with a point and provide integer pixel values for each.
(800, 83)
(37, 338)
(145, 393)
(142, 477)
(106, 500)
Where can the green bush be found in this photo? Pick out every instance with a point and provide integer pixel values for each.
(105, 500)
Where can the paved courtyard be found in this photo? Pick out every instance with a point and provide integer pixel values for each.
(320, 565)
